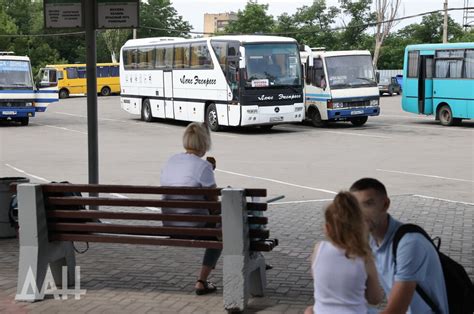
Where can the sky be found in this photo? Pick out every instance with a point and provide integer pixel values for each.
(193, 10)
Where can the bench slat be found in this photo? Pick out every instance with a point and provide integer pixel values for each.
(140, 189)
(101, 214)
(102, 201)
(263, 246)
(147, 230)
(133, 229)
(135, 240)
(257, 206)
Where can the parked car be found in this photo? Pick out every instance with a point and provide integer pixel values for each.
(389, 85)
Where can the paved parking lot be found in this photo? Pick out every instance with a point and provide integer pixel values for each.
(410, 154)
(428, 170)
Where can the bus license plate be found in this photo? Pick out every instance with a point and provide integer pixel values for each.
(9, 113)
(357, 112)
(276, 119)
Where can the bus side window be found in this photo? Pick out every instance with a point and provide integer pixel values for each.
(114, 71)
(71, 73)
(318, 79)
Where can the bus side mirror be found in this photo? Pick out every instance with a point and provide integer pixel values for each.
(242, 57)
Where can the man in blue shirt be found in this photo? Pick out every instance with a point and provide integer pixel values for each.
(417, 260)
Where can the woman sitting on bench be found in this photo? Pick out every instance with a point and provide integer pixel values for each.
(189, 169)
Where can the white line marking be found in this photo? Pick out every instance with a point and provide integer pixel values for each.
(108, 119)
(442, 199)
(425, 175)
(27, 174)
(407, 116)
(124, 196)
(61, 128)
(223, 135)
(277, 181)
(357, 134)
(299, 202)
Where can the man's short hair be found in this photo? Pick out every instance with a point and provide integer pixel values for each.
(369, 183)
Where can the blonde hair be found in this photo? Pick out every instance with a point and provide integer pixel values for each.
(347, 227)
(197, 138)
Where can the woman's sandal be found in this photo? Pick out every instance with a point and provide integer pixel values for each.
(209, 287)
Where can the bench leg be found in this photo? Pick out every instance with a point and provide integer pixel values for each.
(257, 280)
(31, 274)
(67, 259)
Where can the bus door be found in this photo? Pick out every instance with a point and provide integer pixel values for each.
(425, 85)
(168, 93)
(233, 81)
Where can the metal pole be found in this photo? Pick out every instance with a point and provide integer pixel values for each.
(91, 60)
(445, 25)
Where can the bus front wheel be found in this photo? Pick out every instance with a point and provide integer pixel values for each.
(316, 119)
(359, 121)
(445, 115)
(105, 91)
(146, 111)
(211, 118)
(63, 93)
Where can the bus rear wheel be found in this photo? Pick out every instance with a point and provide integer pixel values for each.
(63, 93)
(24, 121)
(211, 118)
(359, 121)
(105, 91)
(146, 111)
(446, 116)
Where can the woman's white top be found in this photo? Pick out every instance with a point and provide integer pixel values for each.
(186, 170)
(339, 282)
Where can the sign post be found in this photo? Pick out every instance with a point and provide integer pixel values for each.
(91, 15)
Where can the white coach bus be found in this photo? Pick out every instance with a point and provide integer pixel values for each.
(339, 86)
(223, 80)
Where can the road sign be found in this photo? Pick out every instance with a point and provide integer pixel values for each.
(63, 14)
(117, 14)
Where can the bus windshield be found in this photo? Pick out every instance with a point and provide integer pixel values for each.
(350, 72)
(15, 73)
(272, 65)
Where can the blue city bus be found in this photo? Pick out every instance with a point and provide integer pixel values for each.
(439, 79)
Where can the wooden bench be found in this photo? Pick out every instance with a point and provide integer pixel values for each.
(49, 226)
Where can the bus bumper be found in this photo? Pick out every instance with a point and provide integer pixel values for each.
(336, 114)
(258, 115)
(6, 113)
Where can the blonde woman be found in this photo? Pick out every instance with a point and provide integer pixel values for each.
(343, 269)
(190, 169)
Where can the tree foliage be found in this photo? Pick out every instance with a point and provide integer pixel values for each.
(253, 19)
(159, 18)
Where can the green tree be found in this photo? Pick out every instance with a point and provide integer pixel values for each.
(353, 36)
(114, 40)
(253, 19)
(312, 24)
(159, 18)
(430, 30)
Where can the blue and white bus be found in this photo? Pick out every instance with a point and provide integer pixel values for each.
(19, 98)
(439, 80)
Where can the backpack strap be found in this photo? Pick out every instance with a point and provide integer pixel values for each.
(401, 231)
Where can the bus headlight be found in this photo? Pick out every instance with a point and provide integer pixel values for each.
(374, 102)
(298, 109)
(252, 111)
(337, 105)
(28, 104)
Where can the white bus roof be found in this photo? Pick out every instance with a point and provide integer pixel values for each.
(240, 38)
(14, 58)
(342, 53)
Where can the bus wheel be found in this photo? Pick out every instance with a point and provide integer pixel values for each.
(24, 121)
(146, 111)
(446, 116)
(63, 93)
(211, 118)
(105, 91)
(316, 119)
(359, 121)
